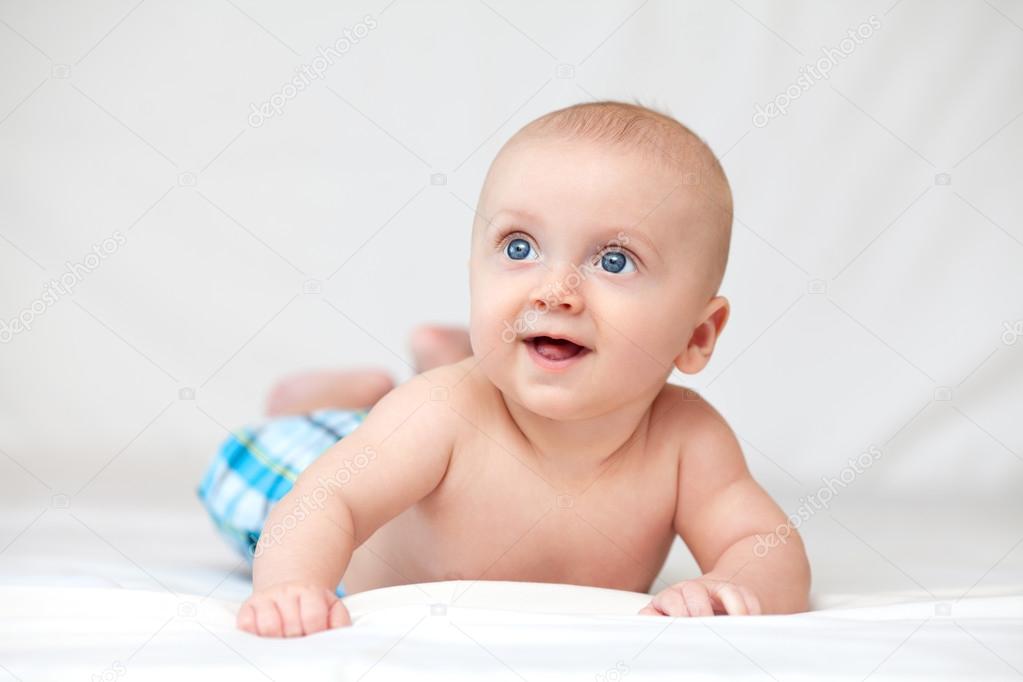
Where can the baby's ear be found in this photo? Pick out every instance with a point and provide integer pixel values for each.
(701, 344)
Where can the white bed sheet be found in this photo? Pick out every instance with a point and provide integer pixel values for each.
(152, 595)
(67, 633)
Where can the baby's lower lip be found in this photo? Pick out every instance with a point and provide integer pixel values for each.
(553, 365)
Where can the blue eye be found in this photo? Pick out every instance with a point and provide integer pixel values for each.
(518, 249)
(616, 261)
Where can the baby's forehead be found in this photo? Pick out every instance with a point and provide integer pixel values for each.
(678, 159)
(626, 182)
(660, 138)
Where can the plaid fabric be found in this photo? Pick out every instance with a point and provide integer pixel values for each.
(256, 466)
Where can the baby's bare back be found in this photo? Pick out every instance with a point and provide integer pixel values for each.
(497, 514)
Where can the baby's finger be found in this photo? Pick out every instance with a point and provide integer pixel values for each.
(670, 603)
(268, 619)
(246, 619)
(697, 599)
(291, 621)
(338, 616)
(649, 610)
(731, 600)
(752, 603)
(313, 610)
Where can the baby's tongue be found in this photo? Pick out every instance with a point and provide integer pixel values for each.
(556, 349)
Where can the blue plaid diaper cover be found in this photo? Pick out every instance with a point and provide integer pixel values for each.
(256, 466)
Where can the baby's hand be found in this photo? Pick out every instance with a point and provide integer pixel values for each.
(292, 610)
(704, 596)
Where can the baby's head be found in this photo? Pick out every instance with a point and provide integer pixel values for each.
(608, 224)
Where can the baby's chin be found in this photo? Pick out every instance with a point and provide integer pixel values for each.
(562, 397)
(560, 403)
(557, 403)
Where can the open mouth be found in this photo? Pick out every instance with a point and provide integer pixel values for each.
(556, 350)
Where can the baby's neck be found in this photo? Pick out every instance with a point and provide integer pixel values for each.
(572, 452)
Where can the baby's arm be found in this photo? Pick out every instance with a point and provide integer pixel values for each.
(397, 456)
(723, 515)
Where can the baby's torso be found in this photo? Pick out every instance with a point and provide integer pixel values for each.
(496, 516)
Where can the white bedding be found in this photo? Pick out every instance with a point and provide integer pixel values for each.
(91, 594)
(71, 633)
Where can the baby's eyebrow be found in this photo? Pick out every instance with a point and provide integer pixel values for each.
(513, 213)
(649, 252)
(624, 237)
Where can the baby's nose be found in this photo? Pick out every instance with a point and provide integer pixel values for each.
(560, 290)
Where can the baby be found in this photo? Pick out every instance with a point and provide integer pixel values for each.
(556, 451)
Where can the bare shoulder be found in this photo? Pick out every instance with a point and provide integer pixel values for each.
(420, 402)
(465, 388)
(685, 412)
(445, 392)
(702, 437)
(410, 435)
(453, 374)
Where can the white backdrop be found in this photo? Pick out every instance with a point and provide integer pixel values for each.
(876, 273)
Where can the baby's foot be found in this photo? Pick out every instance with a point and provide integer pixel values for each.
(319, 389)
(434, 345)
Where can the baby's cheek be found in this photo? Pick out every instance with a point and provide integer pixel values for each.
(641, 351)
(485, 331)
